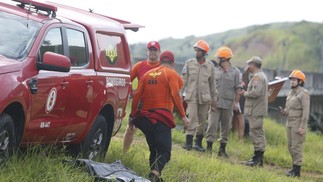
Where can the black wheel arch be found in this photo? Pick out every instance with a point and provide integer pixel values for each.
(108, 113)
(16, 112)
(7, 137)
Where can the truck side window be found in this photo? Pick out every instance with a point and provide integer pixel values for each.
(112, 53)
(76, 47)
(52, 42)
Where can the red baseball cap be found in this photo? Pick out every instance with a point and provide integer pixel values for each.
(167, 56)
(154, 44)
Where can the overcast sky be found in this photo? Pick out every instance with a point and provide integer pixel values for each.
(179, 18)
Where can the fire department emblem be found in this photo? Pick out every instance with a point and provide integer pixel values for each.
(111, 54)
(154, 74)
(51, 100)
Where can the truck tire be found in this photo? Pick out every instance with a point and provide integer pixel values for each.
(7, 137)
(95, 144)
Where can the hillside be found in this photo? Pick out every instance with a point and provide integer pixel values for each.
(286, 46)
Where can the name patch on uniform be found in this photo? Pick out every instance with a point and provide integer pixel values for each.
(152, 81)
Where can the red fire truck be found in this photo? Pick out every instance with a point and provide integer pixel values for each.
(65, 74)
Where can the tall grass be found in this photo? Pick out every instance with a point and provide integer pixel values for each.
(46, 164)
(196, 166)
(41, 164)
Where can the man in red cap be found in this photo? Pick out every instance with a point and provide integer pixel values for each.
(159, 91)
(138, 70)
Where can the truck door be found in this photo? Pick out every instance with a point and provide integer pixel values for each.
(115, 69)
(49, 104)
(81, 78)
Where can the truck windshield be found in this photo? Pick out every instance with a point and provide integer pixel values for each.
(17, 35)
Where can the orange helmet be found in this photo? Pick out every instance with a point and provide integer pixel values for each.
(224, 52)
(202, 44)
(297, 74)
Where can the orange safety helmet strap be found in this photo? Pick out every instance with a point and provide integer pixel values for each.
(202, 44)
(298, 75)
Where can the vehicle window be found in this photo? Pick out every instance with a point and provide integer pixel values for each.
(76, 47)
(52, 42)
(112, 53)
(17, 34)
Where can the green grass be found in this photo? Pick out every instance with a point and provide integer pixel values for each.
(46, 164)
(41, 164)
(196, 166)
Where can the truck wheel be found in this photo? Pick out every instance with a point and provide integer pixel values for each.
(95, 144)
(7, 137)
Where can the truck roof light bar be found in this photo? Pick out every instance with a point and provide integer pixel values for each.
(36, 7)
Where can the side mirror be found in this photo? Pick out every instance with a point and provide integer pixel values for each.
(54, 62)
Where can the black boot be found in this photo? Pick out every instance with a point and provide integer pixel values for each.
(290, 172)
(189, 142)
(198, 143)
(209, 146)
(295, 172)
(154, 178)
(222, 152)
(257, 159)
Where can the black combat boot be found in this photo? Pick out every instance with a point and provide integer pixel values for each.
(209, 146)
(198, 143)
(295, 172)
(189, 142)
(222, 152)
(257, 159)
(290, 172)
(154, 178)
